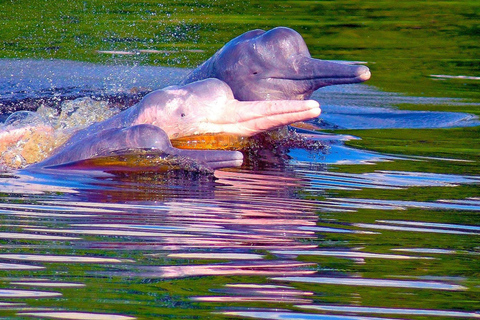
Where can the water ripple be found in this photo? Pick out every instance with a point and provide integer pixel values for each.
(402, 204)
(71, 315)
(48, 284)
(248, 268)
(14, 293)
(400, 311)
(432, 285)
(245, 226)
(59, 259)
(417, 227)
(289, 315)
(15, 266)
(345, 254)
(32, 236)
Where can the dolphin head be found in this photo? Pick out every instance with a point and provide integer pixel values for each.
(274, 65)
(209, 106)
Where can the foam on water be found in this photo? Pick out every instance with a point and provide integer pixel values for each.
(28, 137)
(25, 82)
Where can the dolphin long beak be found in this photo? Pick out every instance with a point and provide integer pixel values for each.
(252, 117)
(320, 73)
(324, 73)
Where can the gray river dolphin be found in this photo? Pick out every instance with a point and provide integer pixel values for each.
(274, 65)
(202, 107)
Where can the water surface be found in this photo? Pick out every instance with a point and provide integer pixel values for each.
(289, 239)
(330, 233)
(264, 243)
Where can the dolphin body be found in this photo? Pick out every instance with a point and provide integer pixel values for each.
(274, 65)
(144, 136)
(201, 107)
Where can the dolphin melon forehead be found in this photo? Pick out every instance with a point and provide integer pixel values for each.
(281, 41)
(207, 91)
(270, 47)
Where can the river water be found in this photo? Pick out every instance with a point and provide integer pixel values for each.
(305, 237)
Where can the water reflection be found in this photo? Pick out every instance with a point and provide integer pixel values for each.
(58, 259)
(287, 315)
(392, 311)
(279, 237)
(242, 292)
(249, 268)
(75, 315)
(13, 293)
(47, 284)
(431, 285)
(16, 266)
(365, 107)
(265, 247)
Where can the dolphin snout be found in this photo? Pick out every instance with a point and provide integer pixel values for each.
(363, 73)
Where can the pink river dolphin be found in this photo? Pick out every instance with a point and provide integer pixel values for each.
(274, 65)
(203, 107)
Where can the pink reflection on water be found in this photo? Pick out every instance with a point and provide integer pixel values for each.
(266, 298)
(251, 292)
(250, 268)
